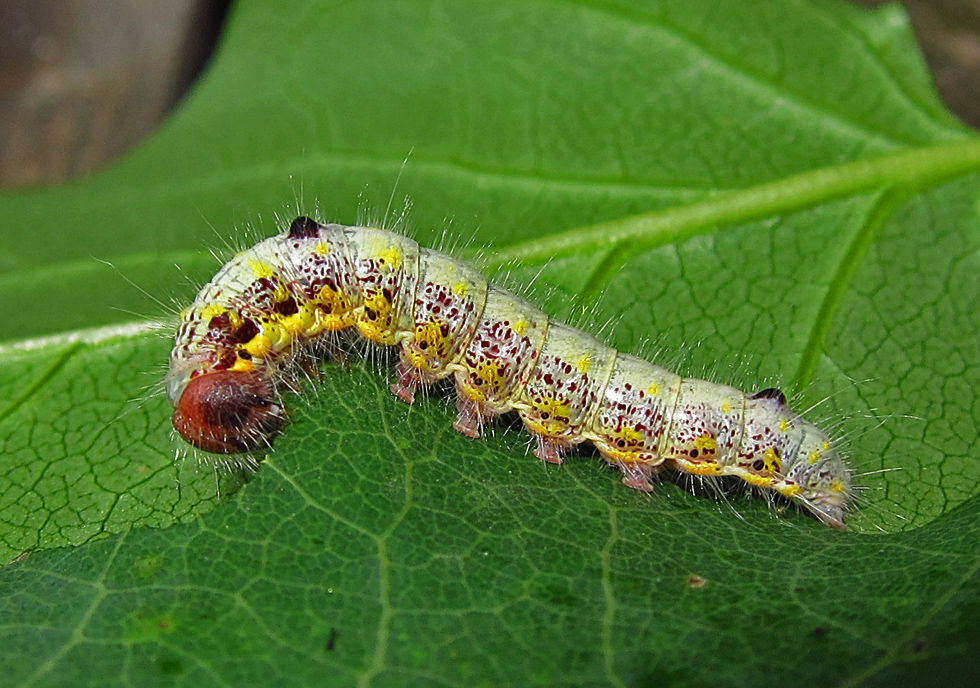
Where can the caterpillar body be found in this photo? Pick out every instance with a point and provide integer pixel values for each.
(276, 301)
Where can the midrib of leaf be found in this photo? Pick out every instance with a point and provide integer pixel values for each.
(912, 171)
(619, 240)
(897, 176)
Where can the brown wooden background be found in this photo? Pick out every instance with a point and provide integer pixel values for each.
(82, 81)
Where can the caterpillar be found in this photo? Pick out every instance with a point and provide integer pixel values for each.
(270, 306)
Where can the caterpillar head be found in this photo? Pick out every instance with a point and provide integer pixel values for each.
(228, 412)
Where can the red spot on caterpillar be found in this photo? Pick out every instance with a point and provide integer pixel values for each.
(227, 412)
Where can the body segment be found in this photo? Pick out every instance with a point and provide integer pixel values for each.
(448, 305)
(564, 389)
(278, 301)
(499, 359)
(386, 266)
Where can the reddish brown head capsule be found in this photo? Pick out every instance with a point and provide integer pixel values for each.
(228, 412)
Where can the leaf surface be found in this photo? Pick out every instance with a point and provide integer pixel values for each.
(764, 193)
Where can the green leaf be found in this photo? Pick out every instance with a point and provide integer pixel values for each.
(762, 192)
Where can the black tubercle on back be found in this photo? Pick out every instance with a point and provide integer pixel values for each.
(771, 393)
(303, 228)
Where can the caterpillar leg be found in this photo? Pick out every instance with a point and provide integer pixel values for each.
(407, 382)
(550, 449)
(472, 416)
(637, 475)
(304, 364)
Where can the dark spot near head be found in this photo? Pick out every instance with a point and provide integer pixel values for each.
(303, 228)
(771, 393)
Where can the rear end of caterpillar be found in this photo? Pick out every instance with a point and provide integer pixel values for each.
(278, 300)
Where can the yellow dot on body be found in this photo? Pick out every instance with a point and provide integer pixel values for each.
(783, 425)
(630, 434)
(211, 311)
(322, 248)
(261, 269)
(707, 468)
(392, 256)
(758, 481)
(790, 490)
(418, 360)
(555, 407)
(813, 457)
(520, 326)
(653, 390)
(242, 366)
(279, 334)
(302, 322)
(475, 394)
(281, 294)
(825, 444)
(369, 330)
(837, 486)
(771, 461)
(461, 289)
(259, 346)
(584, 364)
(378, 301)
(335, 301)
(726, 406)
(706, 443)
